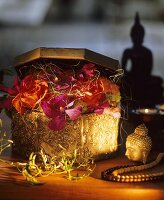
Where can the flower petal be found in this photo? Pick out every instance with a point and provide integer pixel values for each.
(70, 104)
(74, 113)
(6, 104)
(16, 83)
(105, 104)
(102, 108)
(47, 109)
(10, 91)
(116, 115)
(57, 123)
(62, 86)
(59, 100)
(89, 70)
(99, 110)
(17, 103)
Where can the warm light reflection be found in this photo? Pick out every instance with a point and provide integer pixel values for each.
(148, 111)
(143, 193)
(99, 133)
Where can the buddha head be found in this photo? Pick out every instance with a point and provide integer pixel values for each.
(137, 32)
(138, 144)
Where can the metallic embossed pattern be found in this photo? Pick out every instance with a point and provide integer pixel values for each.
(91, 134)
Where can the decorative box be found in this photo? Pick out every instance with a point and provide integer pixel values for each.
(66, 98)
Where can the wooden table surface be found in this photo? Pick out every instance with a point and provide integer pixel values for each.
(14, 187)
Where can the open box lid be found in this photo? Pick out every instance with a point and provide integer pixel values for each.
(66, 54)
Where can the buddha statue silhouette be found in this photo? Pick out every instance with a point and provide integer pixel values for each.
(146, 89)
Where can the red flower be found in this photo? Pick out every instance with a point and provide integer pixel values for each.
(31, 92)
(92, 94)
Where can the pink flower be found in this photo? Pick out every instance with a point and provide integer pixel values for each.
(66, 81)
(89, 70)
(58, 108)
(101, 108)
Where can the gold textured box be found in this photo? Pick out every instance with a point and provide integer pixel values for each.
(94, 135)
(91, 133)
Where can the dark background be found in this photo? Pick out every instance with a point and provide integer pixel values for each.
(102, 26)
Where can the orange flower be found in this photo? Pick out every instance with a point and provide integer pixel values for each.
(31, 92)
(108, 86)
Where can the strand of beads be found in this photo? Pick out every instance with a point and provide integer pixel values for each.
(116, 173)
